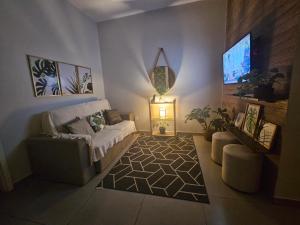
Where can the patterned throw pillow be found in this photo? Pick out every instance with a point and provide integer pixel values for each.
(97, 121)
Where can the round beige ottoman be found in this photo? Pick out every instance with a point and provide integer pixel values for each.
(219, 140)
(241, 168)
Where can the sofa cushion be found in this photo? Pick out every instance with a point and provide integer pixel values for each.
(97, 121)
(53, 121)
(65, 128)
(80, 127)
(104, 140)
(112, 117)
(126, 127)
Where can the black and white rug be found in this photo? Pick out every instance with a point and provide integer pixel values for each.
(163, 166)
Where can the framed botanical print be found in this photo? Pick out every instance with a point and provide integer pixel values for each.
(85, 80)
(239, 120)
(44, 76)
(266, 134)
(251, 119)
(68, 78)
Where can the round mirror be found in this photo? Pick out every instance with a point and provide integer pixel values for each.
(162, 79)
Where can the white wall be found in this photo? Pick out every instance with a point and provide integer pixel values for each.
(288, 182)
(193, 37)
(51, 29)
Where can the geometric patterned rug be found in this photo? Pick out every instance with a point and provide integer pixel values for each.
(163, 166)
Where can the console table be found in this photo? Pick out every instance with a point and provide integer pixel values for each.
(163, 116)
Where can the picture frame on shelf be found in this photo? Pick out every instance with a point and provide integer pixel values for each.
(68, 78)
(44, 76)
(239, 120)
(251, 119)
(266, 134)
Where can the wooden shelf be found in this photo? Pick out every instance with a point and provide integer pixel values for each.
(158, 119)
(254, 145)
(159, 103)
(247, 140)
(280, 104)
(274, 112)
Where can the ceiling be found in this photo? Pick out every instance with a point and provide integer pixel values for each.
(101, 10)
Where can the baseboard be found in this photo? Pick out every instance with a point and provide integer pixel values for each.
(191, 133)
(19, 179)
(286, 202)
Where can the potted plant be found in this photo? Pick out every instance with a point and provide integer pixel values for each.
(259, 84)
(161, 126)
(221, 119)
(217, 123)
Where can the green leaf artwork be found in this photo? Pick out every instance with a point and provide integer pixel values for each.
(266, 133)
(44, 76)
(251, 119)
(73, 85)
(44, 67)
(85, 80)
(68, 78)
(41, 85)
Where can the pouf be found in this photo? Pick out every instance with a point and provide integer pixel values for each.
(241, 168)
(219, 140)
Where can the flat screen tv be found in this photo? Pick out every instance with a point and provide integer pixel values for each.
(237, 60)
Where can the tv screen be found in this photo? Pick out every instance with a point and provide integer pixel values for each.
(237, 60)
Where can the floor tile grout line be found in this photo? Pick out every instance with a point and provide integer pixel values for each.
(90, 196)
(139, 211)
(241, 199)
(205, 216)
(81, 207)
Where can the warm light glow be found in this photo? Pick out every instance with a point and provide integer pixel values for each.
(162, 112)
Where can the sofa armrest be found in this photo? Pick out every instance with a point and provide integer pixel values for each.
(60, 159)
(128, 116)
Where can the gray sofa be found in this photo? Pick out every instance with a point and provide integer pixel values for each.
(76, 158)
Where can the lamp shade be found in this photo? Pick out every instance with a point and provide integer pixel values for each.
(162, 112)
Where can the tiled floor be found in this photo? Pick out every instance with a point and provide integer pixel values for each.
(42, 202)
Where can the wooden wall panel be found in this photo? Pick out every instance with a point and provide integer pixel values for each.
(276, 22)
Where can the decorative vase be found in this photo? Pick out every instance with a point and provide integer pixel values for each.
(264, 93)
(208, 135)
(162, 130)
